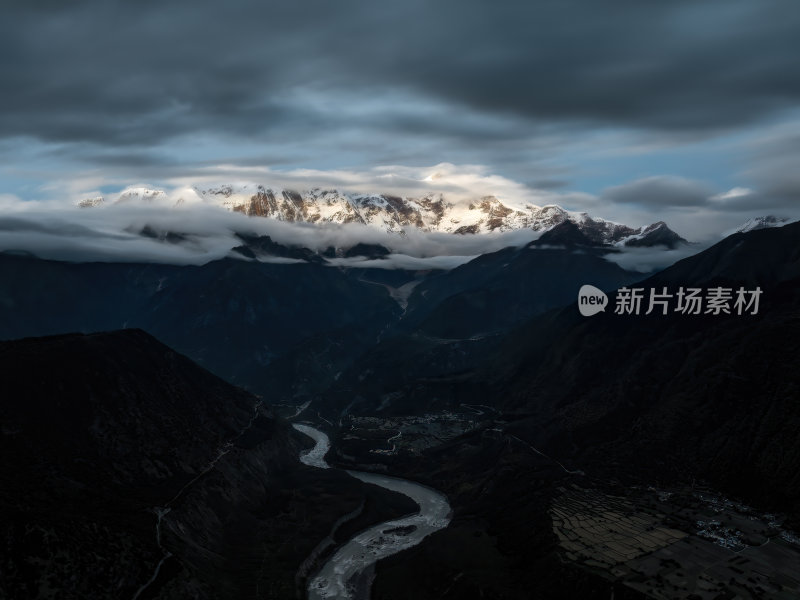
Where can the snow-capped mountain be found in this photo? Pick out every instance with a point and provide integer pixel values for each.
(432, 212)
(141, 194)
(761, 223)
(91, 202)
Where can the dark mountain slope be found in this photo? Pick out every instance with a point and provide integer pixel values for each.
(657, 234)
(489, 295)
(496, 291)
(236, 317)
(100, 432)
(617, 400)
(566, 234)
(232, 316)
(444, 338)
(96, 430)
(647, 397)
(73, 392)
(675, 396)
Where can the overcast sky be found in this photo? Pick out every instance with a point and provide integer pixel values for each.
(636, 110)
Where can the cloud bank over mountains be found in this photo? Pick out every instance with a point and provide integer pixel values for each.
(633, 111)
(182, 226)
(204, 232)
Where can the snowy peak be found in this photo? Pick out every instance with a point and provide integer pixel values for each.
(91, 202)
(141, 194)
(763, 222)
(429, 212)
(432, 212)
(566, 233)
(130, 195)
(657, 234)
(585, 231)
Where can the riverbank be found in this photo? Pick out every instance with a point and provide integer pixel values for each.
(343, 574)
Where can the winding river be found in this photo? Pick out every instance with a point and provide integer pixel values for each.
(316, 456)
(338, 576)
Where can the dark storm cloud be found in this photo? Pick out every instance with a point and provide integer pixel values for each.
(53, 227)
(659, 192)
(124, 73)
(772, 165)
(548, 184)
(138, 73)
(133, 160)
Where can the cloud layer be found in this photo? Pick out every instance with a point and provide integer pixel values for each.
(207, 232)
(127, 73)
(661, 192)
(646, 110)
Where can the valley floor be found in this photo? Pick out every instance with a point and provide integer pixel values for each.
(517, 512)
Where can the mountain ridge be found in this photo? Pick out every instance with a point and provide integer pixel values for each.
(429, 212)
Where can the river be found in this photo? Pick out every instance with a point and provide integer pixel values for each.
(338, 576)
